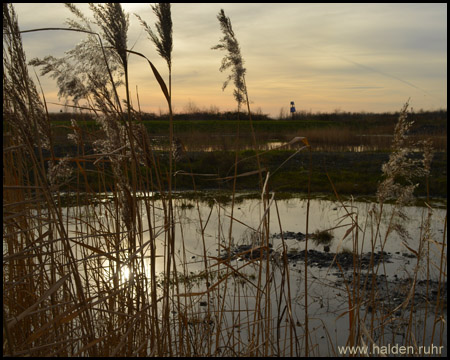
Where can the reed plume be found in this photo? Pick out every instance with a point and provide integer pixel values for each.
(232, 59)
(114, 25)
(20, 95)
(163, 38)
(401, 170)
(89, 71)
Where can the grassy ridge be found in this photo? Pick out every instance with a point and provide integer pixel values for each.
(326, 132)
(351, 173)
(330, 135)
(429, 122)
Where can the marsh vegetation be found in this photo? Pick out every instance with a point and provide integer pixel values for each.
(102, 256)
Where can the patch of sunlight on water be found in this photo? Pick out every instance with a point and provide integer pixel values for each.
(125, 273)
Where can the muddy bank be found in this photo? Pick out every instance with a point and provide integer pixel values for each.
(315, 258)
(345, 260)
(398, 296)
(389, 294)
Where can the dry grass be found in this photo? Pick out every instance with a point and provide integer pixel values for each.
(325, 139)
(106, 279)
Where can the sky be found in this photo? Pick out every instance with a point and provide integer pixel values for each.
(324, 57)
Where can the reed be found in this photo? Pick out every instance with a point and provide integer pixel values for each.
(261, 327)
(109, 273)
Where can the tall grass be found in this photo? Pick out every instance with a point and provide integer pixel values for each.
(110, 275)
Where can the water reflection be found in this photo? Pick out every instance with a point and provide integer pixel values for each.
(206, 231)
(360, 143)
(125, 273)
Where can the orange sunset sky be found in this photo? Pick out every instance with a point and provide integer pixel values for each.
(325, 57)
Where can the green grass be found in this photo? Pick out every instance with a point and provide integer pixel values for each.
(429, 122)
(352, 173)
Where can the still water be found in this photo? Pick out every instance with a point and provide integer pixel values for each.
(206, 233)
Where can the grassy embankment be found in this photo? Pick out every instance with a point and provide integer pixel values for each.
(333, 137)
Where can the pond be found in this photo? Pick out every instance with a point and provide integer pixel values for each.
(227, 142)
(239, 275)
